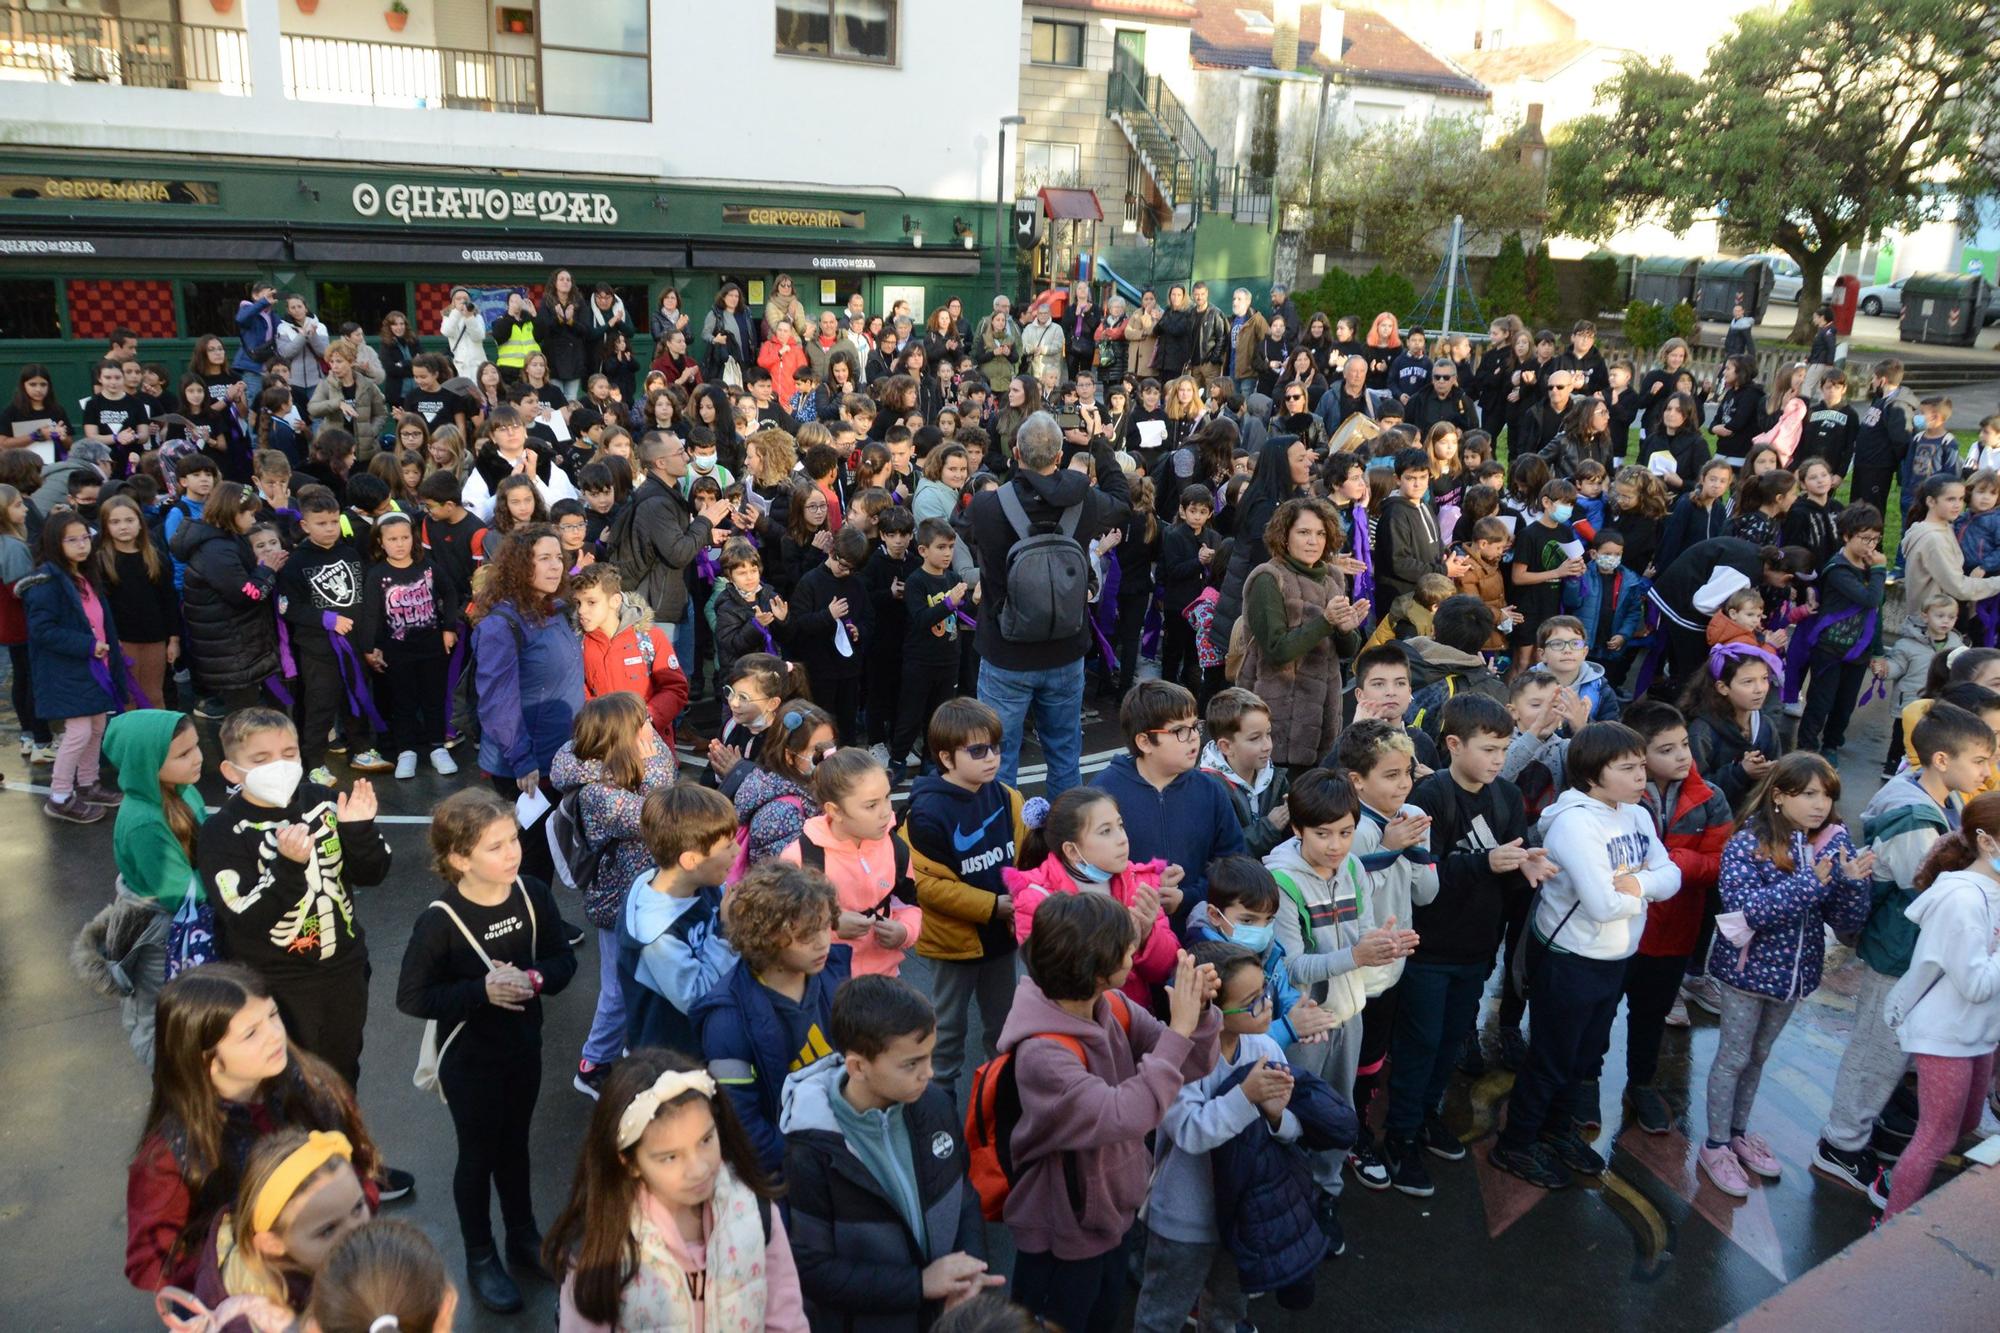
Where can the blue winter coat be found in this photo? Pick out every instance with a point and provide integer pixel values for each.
(1189, 824)
(256, 335)
(1584, 599)
(1284, 994)
(530, 680)
(61, 644)
(1789, 911)
(1264, 1191)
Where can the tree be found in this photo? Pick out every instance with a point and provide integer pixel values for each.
(1817, 126)
(1507, 279)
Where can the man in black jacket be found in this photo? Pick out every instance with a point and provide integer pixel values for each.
(1211, 338)
(1445, 402)
(659, 535)
(1544, 421)
(1043, 677)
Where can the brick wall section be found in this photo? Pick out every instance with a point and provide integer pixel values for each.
(1066, 105)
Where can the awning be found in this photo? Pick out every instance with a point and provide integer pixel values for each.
(1070, 205)
(945, 260)
(85, 241)
(494, 250)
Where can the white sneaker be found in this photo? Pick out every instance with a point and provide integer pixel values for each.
(1677, 1016)
(1989, 1124)
(881, 753)
(406, 764)
(28, 745)
(321, 775)
(1796, 708)
(442, 761)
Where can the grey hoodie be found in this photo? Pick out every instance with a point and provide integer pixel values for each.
(1323, 966)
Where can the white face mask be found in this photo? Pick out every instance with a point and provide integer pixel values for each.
(273, 783)
(1609, 563)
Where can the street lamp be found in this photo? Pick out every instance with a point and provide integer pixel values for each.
(1000, 205)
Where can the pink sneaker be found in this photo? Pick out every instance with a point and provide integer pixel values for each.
(1754, 1151)
(1724, 1171)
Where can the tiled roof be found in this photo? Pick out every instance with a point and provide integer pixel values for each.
(1183, 10)
(1374, 49)
(1542, 60)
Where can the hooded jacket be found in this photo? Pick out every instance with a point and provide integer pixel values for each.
(1089, 1121)
(1934, 566)
(1318, 921)
(1591, 684)
(864, 878)
(150, 858)
(1948, 1003)
(611, 815)
(62, 644)
(1204, 1117)
(1719, 746)
(1152, 963)
(619, 661)
(961, 843)
(1250, 801)
(1188, 823)
(1438, 672)
(1910, 654)
(1789, 911)
(1044, 498)
(860, 1263)
(670, 953)
(1396, 882)
(1408, 545)
(1900, 825)
(1584, 598)
(774, 809)
(227, 608)
(1694, 823)
(1591, 842)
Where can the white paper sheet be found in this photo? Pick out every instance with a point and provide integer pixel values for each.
(530, 806)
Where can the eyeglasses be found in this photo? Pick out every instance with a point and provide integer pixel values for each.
(979, 750)
(1184, 733)
(1562, 645)
(1256, 1005)
(570, 525)
(1442, 379)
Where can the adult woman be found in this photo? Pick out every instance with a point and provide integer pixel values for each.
(1495, 375)
(785, 307)
(1586, 434)
(926, 399)
(211, 361)
(1283, 472)
(1656, 386)
(1303, 369)
(1932, 563)
(464, 330)
(1319, 345)
(399, 349)
(1112, 351)
(229, 628)
(1024, 399)
(536, 373)
(75, 665)
(530, 674)
(562, 331)
(1385, 343)
(731, 337)
(1295, 614)
(34, 416)
(1678, 432)
(768, 459)
(993, 351)
(351, 401)
(1186, 413)
(668, 315)
(941, 337)
(1673, 593)
(1737, 414)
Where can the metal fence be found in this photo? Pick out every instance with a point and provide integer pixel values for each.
(335, 69)
(48, 46)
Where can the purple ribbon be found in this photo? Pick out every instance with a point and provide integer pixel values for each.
(1364, 582)
(965, 619)
(120, 697)
(770, 644)
(288, 666)
(275, 683)
(1649, 666)
(1877, 687)
(360, 700)
(1722, 654)
(707, 564)
(1152, 628)
(1104, 615)
(1987, 613)
(1798, 654)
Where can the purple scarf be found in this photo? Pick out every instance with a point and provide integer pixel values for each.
(1364, 582)
(353, 675)
(1800, 651)
(1104, 615)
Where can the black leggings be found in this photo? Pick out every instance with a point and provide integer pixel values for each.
(413, 701)
(1378, 1022)
(24, 697)
(327, 1013)
(492, 1102)
(1131, 621)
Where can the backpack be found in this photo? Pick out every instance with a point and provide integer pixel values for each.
(1048, 576)
(430, 1052)
(813, 857)
(1426, 711)
(576, 861)
(741, 865)
(994, 1112)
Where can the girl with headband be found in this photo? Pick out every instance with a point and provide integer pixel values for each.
(669, 1222)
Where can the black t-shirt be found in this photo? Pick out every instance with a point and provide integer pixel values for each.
(1538, 548)
(11, 417)
(111, 416)
(438, 407)
(219, 385)
(451, 548)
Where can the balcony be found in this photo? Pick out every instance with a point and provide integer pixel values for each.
(359, 73)
(42, 46)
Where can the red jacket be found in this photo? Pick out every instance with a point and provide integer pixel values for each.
(619, 662)
(783, 360)
(1694, 833)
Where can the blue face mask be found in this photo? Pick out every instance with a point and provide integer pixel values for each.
(1254, 938)
(1561, 512)
(1090, 874)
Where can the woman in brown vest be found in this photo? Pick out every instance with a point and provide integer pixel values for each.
(1298, 624)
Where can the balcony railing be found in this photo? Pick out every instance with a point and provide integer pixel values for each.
(42, 46)
(334, 69)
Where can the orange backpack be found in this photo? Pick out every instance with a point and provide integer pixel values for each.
(995, 1111)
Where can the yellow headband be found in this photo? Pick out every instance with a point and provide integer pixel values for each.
(318, 1149)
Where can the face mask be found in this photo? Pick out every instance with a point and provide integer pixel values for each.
(1254, 938)
(1561, 512)
(703, 463)
(1608, 563)
(758, 724)
(273, 783)
(1086, 873)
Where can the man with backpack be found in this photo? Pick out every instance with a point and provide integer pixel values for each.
(1033, 535)
(659, 535)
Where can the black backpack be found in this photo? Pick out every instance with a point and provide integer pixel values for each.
(1048, 575)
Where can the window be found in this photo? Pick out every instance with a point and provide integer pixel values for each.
(838, 29)
(596, 60)
(366, 303)
(1052, 43)
(28, 308)
(210, 307)
(1048, 163)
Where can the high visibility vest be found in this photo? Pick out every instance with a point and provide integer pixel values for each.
(517, 347)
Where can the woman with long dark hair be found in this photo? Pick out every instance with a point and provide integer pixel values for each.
(1283, 472)
(35, 416)
(731, 336)
(399, 352)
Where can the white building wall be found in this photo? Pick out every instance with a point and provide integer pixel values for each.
(726, 106)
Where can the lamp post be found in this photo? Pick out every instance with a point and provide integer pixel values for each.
(1000, 206)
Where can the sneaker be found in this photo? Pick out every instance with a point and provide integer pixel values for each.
(336, 743)
(1856, 1170)
(1439, 1141)
(1574, 1153)
(1366, 1160)
(1878, 1189)
(75, 810)
(1513, 1052)
(369, 761)
(1472, 1056)
(1705, 992)
(1887, 1146)
(1407, 1170)
(27, 745)
(590, 1078)
(1897, 1120)
(1327, 1214)
(573, 933)
(1754, 1151)
(880, 752)
(406, 765)
(442, 761)
(1650, 1111)
(1589, 1106)
(97, 793)
(1534, 1164)
(1724, 1171)
(1677, 1016)
(321, 775)
(399, 1185)
(44, 754)
(211, 709)
(1989, 1124)
(451, 740)
(1796, 708)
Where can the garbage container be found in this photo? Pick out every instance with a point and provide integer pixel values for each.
(1943, 308)
(1666, 280)
(1846, 296)
(1719, 285)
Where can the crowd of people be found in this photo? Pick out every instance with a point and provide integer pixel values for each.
(1411, 718)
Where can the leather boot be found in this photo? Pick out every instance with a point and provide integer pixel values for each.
(488, 1279)
(524, 1254)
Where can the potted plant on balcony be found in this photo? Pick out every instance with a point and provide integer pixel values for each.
(398, 15)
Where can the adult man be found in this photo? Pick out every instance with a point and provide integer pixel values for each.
(1446, 401)
(860, 343)
(256, 338)
(1211, 338)
(1283, 304)
(1247, 330)
(122, 345)
(1175, 331)
(659, 535)
(1544, 421)
(302, 341)
(1017, 677)
(826, 340)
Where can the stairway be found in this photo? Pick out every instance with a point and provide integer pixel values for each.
(1177, 163)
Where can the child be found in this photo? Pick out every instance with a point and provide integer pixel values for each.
(767, 1018)
(1623, 400)
(406, 629)
(964, 829)
(832, 623)
(1477, 829)
(1481, 576)
(753, 689)
(17, 561)
(277, 861)
(889, 1229)
(1382, 691)
(671, 950)
(1810, 520)
(1607, 861)
(670, 1199)
(932, 597)
(1843, 642)
(1080, 846)
(1701, 513)
(1925, 637)
(1734, 743)
(1945, 1010)
(449, 531)
(851, 841)
(750, 617)
(886, 576)
(1561, 645)
(773, 799)
(1241, 909)
(1542, 560)
(1089, 1126)
(1413, 615)
(1407, 541)
(72, 638)
(1788, 876)
(1238, 755)
(623, 650)
(1170, 811)
(1187, 565)
(1740, 620)
(1934, 452)
(319, 596)
(614, 761)
(1901, 824)
(1391, 843)
(1590, 478)
(1449, 664)
(1326, 945)
(476, 967)
(1609, 601)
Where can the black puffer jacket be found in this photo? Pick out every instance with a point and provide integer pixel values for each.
(227, 606)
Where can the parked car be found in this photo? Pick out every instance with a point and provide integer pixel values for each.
(1786, 279)
(1884, 298)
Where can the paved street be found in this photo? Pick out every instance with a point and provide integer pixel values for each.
(1646, 1249)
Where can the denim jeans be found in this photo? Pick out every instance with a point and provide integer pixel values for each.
(683, 637)
(1056, 697)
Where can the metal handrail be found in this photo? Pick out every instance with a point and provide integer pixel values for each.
(339, 69)
(60, 46)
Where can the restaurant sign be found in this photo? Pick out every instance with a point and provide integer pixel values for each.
(407, 202)
(764, 215)
(109, 190)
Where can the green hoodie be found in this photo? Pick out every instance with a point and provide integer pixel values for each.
(150, 858)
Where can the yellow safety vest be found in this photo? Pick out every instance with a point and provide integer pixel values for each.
(518, 346)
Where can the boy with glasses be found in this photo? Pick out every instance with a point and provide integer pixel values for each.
(1563, 646)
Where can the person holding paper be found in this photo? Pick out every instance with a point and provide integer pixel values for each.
(833, 619)
(1545, 553)
(34, 419)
